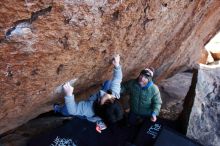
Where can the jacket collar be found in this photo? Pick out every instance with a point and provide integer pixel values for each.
(147, 85)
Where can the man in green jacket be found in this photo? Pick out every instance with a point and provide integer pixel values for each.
(145, 100)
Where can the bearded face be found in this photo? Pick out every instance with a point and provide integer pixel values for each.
(142, 80)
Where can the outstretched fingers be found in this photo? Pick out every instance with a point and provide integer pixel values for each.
(68, 89)
(116, 60)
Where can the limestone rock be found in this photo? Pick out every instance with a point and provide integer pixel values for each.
(203, 123)
(173, 92)
(46, 43)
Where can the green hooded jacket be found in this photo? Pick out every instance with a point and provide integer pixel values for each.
(143, 101)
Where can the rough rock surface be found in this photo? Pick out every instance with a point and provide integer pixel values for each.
(216, 55)
(173, 92)
(46, 43)
(203, 124)
(205, 55)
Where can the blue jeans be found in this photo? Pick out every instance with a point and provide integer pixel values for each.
(106, 85)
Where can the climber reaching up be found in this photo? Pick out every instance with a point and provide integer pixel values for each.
(102, 107)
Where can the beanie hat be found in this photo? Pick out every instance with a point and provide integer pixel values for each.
(148, 73)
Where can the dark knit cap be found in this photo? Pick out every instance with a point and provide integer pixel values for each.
(148, 73)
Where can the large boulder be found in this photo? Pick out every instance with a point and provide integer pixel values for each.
(173, 92)
(204, 57)
(202, 121)
(46, 43)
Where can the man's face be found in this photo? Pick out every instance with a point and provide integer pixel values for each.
(142, 80)
(106, 98)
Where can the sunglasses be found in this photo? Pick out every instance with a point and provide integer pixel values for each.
(146, 73)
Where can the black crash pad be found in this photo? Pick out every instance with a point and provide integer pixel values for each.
(82, 133)
(79, 132)
(158, 134)
(169, 137)
(148, 133)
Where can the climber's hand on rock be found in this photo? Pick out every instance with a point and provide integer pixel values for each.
(68, 89)
(116, 60)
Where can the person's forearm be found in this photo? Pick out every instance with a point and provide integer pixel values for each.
(116, 81)
(117, 73)
(70, 104)
(156, 108)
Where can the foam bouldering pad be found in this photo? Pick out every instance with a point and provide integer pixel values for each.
(148, 133)
(169, 137)
(81, 132)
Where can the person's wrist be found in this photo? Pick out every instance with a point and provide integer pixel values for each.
(153, 114)
(69, 94)
(117, 65)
